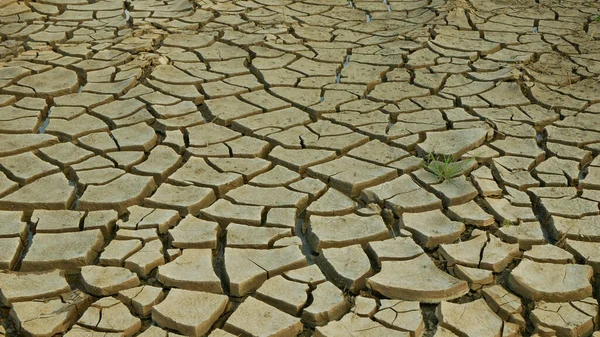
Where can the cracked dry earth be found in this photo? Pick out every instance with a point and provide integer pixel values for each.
(266, 168)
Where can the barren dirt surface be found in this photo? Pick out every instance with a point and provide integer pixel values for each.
(281, 168)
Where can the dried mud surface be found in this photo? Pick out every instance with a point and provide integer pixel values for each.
(292, 168)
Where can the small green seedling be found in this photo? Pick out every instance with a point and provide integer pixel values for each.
(507, 223)
(445, 169)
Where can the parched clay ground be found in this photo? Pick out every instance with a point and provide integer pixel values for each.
(267, 168)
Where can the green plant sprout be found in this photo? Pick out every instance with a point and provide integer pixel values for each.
(507, 223)
(447, 168)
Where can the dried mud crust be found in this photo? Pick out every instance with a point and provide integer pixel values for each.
(299, 168)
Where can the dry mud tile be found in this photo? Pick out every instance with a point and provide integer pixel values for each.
(86, 100)
(146, 259)
(138, 137)
(526, 234)
(241, 236)
(267, 196)
(184, 199)
(256, 318)
(215, 150)
(503, 210)
(560, 167)
(265, 100)
(432, 228)
(14, 226)
(59, 194)
(182, 91)
(227, 109)
(332, 203)
(486, 187)
(402, 195)
(244, 276)
(570, 207)
(401, 315)
(357, 326)
(418, 122)
(105, 281)
(455, 191)
(507, 305)
(93, 163)
(18, 143)
(471, 214)
(121, 193)
(511, 146)
(575, 318)
(19, 287)
(97, 177)
(585, 251)
(142, 116)
(422, 282)
(548, 97)
(313, 187)
(64, 250)
(196, 171)
(453, 143)
(247, 167)
(362, 73)
(111, 88)
(247, 269)
(465, 253)
(310, 275)
(57, 221)
(300, 159)
(487, 323)
(144, 235)
(476, 277)
(47, 318)
(396, 92)
(348, 267)
(537, 281)
(591, 180)
(192, 271)
(168, 111)
(346, 230)
(141, 218)
(365, 306)
(350, 175)
(497, 255)
(118, 109)
(142, 298)
(171, 74)
(118, 251)
(277, 176)
(109, 314)
(378, 153)
(548, 254)
(270, 122)
(224, 211)
(26, 167)
(506, 94)
(220, 89)
(98, 142)
(161, 162)
(56, 82)
(285, 295)
(396, 249)
(192, 232)
(301, 137)
(176, 123)
(329, 304)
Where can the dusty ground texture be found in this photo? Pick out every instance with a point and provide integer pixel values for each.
(292, 168)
